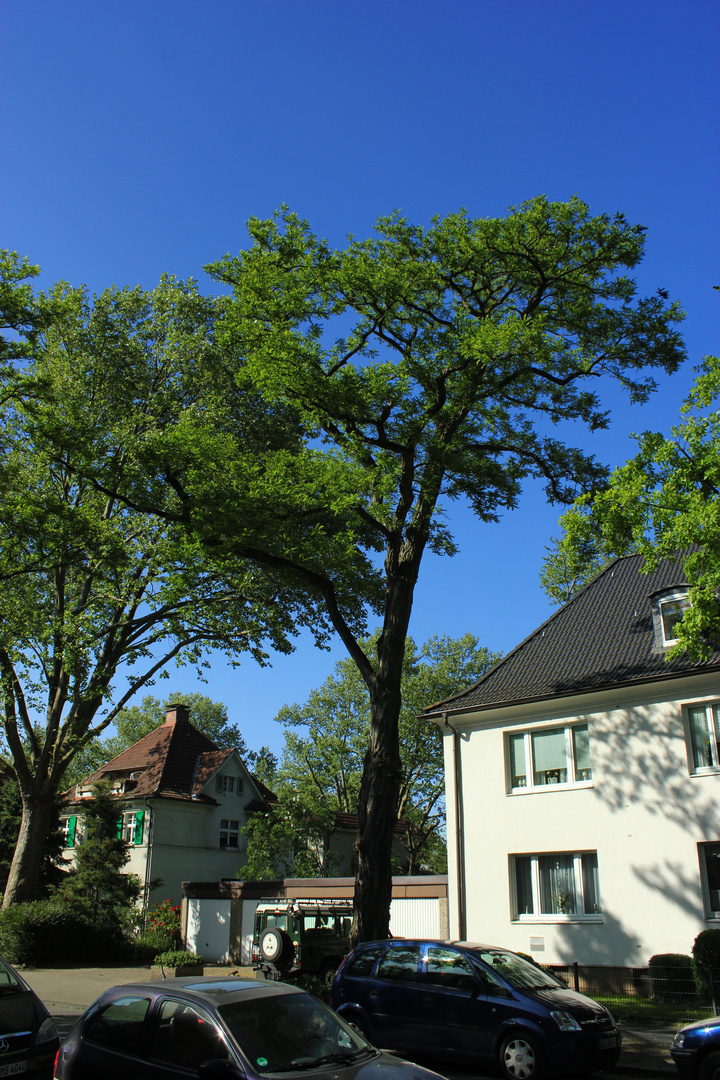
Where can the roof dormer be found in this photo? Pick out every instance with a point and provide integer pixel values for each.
(668, 608)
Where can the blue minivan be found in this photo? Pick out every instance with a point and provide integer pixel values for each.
(448, 998)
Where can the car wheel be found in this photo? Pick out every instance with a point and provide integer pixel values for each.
(710, 1067)
(276, 945)
(327, 973)
(521, 1057)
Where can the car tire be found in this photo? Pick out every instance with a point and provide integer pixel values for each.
(327, 972)
(710, 1067)
(276, 946)
(521, 1057)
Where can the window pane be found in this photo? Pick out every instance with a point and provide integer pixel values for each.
(581, 750)
(557, 885)
(400, 964)
(549, 757)
(671, 612)
(700, 738)
(119, 1025)
(711, 854)
(523, 885)
(185, 1038)
(591, 886)
(364, 962)
(445, 967)
(518, 769)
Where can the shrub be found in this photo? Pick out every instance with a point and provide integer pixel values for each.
(177, 958)
(163, 922)
(672, 977)
(706, 956)
(45, 933)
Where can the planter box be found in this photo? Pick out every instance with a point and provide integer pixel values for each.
(165, 972)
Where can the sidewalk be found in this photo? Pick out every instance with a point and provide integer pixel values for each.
(67, 992)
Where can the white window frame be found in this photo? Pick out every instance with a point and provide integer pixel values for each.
(129, 821)
(229, 829)
(712, 911)
(530, 787)
(537, 916)
(712, 721)
(671, 598)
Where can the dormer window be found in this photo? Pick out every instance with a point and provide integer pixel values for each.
(228, 785)
(669, 608)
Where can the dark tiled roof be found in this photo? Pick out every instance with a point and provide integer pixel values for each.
(602, 637)
(175, 761)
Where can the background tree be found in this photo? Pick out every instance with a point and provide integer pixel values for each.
(663, 503)
(320, 772)
(105, 588)
(96, 881)
(423, 366)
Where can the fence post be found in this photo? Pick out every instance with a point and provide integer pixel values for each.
(711, 980)
(576, 976)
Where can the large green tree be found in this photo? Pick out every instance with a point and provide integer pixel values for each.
(104, 595)
(663, 503)
(424, 365)
(320, 770)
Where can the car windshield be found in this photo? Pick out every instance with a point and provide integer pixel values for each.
(518, 973)
(291, 1032)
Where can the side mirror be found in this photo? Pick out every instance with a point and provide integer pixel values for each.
(219, 1069)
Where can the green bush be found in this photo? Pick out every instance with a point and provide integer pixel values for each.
(46, 933)
(177, 958)
(706, 955)
(671, 975)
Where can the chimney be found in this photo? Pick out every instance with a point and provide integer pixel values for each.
(177, 712)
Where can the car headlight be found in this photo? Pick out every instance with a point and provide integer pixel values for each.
(679, 1040)
(46, 1031)
(565, 1021)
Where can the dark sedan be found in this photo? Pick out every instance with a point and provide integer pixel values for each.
(696, 1050)
(28, 1036)
(459, 998)
(219, 1029)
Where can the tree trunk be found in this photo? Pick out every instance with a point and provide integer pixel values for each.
(26, 865)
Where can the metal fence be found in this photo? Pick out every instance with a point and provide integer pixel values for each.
(648, 994)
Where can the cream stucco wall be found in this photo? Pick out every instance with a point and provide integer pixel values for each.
(644, 815)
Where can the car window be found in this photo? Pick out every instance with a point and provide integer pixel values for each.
(400, 963)
(185, 1037)
(519, 973)
(8, 980)
(449, 969)
(363, 962)
(119, 1025)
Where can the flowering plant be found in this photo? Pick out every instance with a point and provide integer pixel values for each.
(164, 918)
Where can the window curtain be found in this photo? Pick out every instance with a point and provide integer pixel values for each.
(518, 768)
(581, 750)
(549, 757)
(557, 885)
(700, 738)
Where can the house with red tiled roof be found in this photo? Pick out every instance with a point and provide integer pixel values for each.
(583, 782)
(182, 803)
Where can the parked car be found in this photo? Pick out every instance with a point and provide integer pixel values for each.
(430, 997)
(696, 1050)
(219, 1029)
(307, 937)
(28, 1036)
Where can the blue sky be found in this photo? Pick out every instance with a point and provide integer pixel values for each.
(138, 137)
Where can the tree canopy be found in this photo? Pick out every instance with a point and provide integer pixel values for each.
(348, 396)
(663, 503)
(99, 596)
(320, 770)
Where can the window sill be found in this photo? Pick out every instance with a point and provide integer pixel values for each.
(706, 770)
(549, 919)
(543, 789)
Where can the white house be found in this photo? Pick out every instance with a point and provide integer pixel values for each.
(583, 783)
(182, 803)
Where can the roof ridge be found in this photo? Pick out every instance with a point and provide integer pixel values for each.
(538, 631)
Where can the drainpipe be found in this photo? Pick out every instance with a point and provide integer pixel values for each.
(459, 831)
(148, 860)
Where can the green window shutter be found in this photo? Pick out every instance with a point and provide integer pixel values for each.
(139, 820)
(72, 823)
(119, 828)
